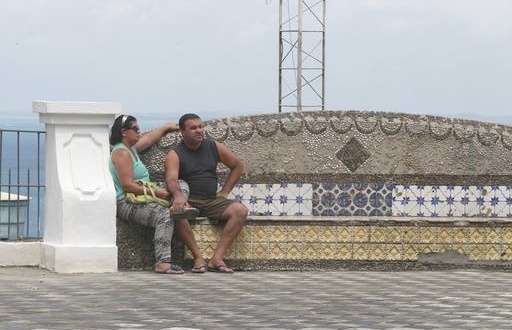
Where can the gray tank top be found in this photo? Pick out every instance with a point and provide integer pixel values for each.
(199, 167)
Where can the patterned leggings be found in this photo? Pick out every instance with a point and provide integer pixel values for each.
(152, 215)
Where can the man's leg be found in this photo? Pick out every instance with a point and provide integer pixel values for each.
(185, 234)
(235, 216)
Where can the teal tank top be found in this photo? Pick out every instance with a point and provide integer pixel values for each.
(140, 172)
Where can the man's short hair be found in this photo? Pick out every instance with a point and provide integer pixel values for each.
(186, 117)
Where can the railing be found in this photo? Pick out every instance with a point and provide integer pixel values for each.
(22, 184)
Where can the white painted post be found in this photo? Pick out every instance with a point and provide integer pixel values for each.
(80, 205)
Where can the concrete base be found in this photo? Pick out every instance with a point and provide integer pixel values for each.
(79, 259)
(20, 253)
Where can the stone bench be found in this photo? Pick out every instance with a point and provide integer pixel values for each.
(342, 188)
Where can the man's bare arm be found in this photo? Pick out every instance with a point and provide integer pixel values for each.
(236, 166)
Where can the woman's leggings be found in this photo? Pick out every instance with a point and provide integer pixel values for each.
(152, 215)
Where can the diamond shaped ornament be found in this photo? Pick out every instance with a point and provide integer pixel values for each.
(353, 154)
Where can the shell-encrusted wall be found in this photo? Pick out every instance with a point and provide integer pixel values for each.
(354, 146)
(351, 185)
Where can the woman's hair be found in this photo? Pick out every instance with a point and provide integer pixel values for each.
(123, 121)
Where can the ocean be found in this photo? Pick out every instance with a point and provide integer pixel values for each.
(22, 173)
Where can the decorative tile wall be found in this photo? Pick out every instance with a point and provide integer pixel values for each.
(375, 199)
(275, 199)
(313, 241)
(452, 201)
(352, 199)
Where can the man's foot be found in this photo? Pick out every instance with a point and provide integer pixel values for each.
(220, 268)
(199, 270)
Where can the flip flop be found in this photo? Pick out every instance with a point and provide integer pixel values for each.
(221, 268)
(199, 270)
(172, 270)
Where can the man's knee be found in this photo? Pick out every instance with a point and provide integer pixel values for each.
(238, 211)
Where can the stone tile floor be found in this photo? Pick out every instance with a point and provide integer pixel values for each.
(32, 298)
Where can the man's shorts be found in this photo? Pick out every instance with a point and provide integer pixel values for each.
(210, 207)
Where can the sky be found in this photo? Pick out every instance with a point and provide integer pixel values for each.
(219, 58)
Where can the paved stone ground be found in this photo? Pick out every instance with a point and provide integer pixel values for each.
(31, 298)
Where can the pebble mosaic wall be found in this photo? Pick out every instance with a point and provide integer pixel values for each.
(375, 199)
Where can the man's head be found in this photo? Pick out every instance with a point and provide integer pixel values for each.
(186, 117)
(191, 128)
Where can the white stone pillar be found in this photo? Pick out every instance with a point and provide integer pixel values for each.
(80, 206)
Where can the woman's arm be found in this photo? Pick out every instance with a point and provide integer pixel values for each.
(150, 138)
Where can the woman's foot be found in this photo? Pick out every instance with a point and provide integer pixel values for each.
(168, 268)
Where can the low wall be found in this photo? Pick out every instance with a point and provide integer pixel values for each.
(366, 185)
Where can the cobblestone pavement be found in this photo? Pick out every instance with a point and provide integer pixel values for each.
(32, 298)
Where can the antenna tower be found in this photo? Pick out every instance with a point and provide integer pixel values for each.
(301, 54)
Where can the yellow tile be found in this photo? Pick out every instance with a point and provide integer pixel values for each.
(344, 233)
(493, 235)
(393, 235)
(295, 251)
(361, 234)
(492, 252)
(210, 233)
(311, 251)
(427, 234)
(376, 252)
(410, 235)
(328, 251)
(243, 251)
(278, 250)
(410, 252)
(344, 251)
(393, 251)
(423, 248)
(327, 234)
(506, 254)
(476, 252)
(260, 251)
(311, 233)
(507, 235)
(444, 236)
(278, 234)
(476, 235)
(378, 235)
(295, 233)
(360, 252)
(459, 235)
(196, 231)
(260, 234)
(207, 249)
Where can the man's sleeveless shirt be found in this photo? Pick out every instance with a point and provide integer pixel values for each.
(199, 167)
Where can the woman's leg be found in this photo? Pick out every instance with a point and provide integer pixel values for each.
(151, 215)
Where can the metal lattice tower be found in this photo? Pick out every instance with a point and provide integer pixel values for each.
(301, 54)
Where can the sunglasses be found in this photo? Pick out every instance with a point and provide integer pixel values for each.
(134, 128)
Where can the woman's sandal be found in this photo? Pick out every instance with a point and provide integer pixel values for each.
(172, 269)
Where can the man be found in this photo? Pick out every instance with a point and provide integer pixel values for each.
(195, 160)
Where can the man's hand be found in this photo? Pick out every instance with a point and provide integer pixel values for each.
(179, 203)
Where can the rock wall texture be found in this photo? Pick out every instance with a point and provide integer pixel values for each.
(358, 146)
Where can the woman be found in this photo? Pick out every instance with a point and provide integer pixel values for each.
(127, 169)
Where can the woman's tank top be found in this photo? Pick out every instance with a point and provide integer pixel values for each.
(140, 172)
